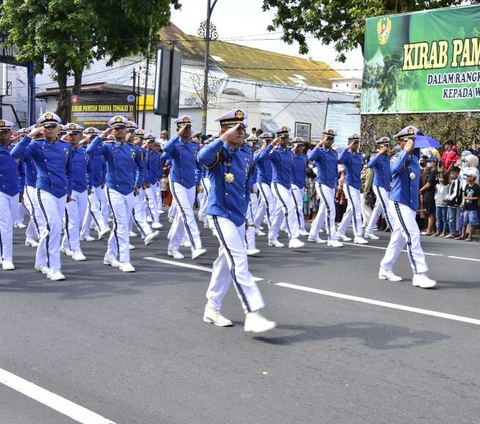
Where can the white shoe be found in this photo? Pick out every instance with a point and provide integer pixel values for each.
(186, 244)
(423, 281)
(212, 316)
(31, 242)
(7, 265)
(131, 247)
(387, 274)
(295, 243)
(206, 225)
(42, 269)
(303, 232)
(253, 252)
(371, 236)
(132, 234)
(257, 323)
(67, 252)
(175, 254)
(343, 237)
(161, 212)
(111, 261)
(78, 256)
(20, 225)
(284, 229)
(55, 275)
(317, 240)
(157, 226)
(334, 243)
(126, 267)
(87, 238)
(360, 240)
(260, 228)
(152, 236)
(198, 252)
(103, 233)
(275, 243)
(259, 233)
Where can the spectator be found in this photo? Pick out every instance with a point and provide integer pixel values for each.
(471, 194)
(454, 199)
(449, 157)
(428, 193)
(441, 193)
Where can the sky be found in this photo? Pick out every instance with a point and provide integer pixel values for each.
(244, 22)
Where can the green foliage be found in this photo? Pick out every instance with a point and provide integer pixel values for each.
(341, 22)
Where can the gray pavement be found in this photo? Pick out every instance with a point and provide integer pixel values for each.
(133, 347)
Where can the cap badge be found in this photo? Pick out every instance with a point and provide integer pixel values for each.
(239, 114)
(284, 128)
(186, 119)
(330, 132)
(410, 131)
(2, 123)
(355, 135)
(118, 119)
(48, 116)
(72, 127)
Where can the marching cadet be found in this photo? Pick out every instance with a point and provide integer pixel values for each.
(97, 200)
(11, 174)
(267, 203)
(231, 175)
(380, 164)
(325, 159)
(183, 155)
(298, 181)
(53, 160)
(153, 163)
(76, 209)
(404, 201)
(205, 185)
(353, 162)
(122, 185)
(282, 168)
(250, 244)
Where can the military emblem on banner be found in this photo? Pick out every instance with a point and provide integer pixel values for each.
(384, 28)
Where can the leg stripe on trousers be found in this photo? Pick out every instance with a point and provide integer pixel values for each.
(353, 209)
(47, 226)
(34, 219)
(67, 232)
(385, 209)
(327, 208)
(137, 223)
(409, 239)
(266, 202)
(296, 209)
(115, 223)
(91, 213)
(286, 209)
(184, 216)
(148, 205)
(232, 271)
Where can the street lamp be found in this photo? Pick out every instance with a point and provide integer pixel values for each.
(206, 29)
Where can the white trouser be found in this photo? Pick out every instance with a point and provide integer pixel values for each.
(158, 194)
(151, 203)
(104, 205)
(121, 206)
(366, 211)
(326, 207)
(35, 226)
(74, 214)
(232, 265)
(250, 218)
(20, 213)
(353, 212)
(202, 211)
(285, 209)
(139, 213)
(48, 250)
(95, 212)
(297, 194)
(8, 210)
(184, 220)
(405, 230)
(267, 205)
(381, 204)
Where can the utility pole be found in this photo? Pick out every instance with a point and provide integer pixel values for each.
(210, 8)
(146, 79)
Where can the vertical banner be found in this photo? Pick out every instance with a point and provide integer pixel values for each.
(422, 62)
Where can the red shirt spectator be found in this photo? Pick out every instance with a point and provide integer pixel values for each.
(449, 157)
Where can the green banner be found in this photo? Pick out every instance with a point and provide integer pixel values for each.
(422, 62)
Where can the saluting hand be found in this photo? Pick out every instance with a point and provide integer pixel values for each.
(408, 145)
(106, 133)
(35, 132)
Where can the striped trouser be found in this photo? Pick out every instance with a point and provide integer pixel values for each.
(121, 206)
(35, 226)
(353, 212)
(297, 194)
(285, 209)
(8, 209)
(381, 205)
(326, 208)
(250, 218)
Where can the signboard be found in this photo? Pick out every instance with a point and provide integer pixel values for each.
(95, 110)
(303, 129)
(422, 62)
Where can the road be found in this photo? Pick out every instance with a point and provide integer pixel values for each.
(132, 348)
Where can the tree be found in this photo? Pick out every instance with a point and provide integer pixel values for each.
(69, 35)
(341, 22)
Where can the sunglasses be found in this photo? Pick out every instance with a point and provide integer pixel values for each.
(120, 127)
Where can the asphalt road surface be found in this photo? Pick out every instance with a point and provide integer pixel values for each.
(107, 347)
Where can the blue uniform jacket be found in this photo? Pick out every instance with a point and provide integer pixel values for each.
(299, 170)
(405, 189)
(30, 173)
(82, 168)
(11, 173)
(381, 167)
(98, 169)
(326, 162)
(53, 161)
(228, 199)
(119, 157)
(183, 156)
(264, 169)
(282, 164)
(154, 167)
(353, 168)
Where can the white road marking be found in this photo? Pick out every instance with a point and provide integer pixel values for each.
(340, 295)
(184, 265)
(47, 398)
